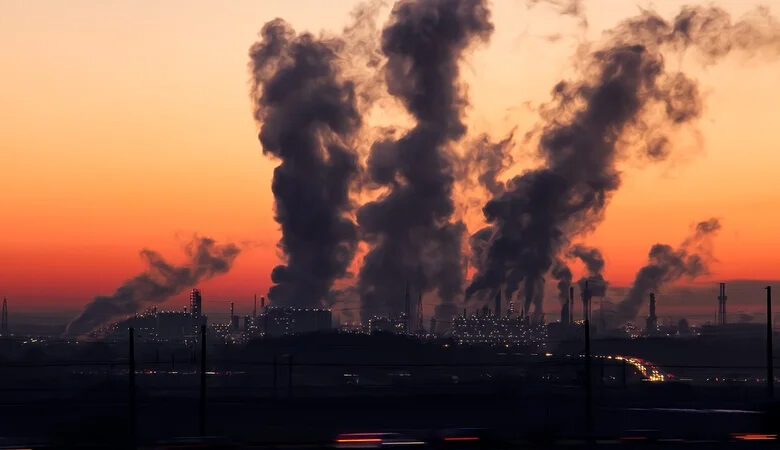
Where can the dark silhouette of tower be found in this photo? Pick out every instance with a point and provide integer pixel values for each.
(195, 303)
(262, 304)
(586, 302)
(420, 312)
(407, 308)
(722, 304)
(254, 308)
(4, 322)
(565, 313)
(510, 311)
(233, 318)
(651, 326)
(571, 304)
(498, 303)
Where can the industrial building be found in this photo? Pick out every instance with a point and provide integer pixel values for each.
(491, 329)
(282, 321)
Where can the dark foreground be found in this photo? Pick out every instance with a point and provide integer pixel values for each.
(486, 416)
(365, 392)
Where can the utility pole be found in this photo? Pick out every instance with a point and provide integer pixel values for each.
(588, 377)
(290, 375)
(770, 375)
(4, 319)
(131, 381)
(203, 380)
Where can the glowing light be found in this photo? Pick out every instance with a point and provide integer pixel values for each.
(755, 437)
(461, 438)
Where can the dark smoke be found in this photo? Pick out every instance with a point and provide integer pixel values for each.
(562, 274)
(160, 282)
(625, 96)
(487, 159)
(308, 116)
(409, 229)
(594, 264)
(666, 265)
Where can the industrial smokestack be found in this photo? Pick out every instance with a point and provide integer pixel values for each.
(586, 302)
(722, 304)
(407, 308)
(651, 327)
(233, 318)
(196, 303)
(498, 303)
(571, 304)
(565, 314)
(158, 283)
(420, 325)
(254, 307)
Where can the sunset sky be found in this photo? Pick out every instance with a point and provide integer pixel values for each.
(128, 125)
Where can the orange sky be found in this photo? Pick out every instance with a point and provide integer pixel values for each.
(128, 125)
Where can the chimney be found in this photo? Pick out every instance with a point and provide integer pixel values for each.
(262, 304)
(233, 318)
(586, 302)
(498, 303)
(571, 304)
(254, 308)
(419, 311)
(722, 304)
(565, 314)
(407, 307)
(651, 326)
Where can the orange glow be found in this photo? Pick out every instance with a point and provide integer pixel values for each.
(755, 437)
(461, 438)
(358, 440)
(128, 125)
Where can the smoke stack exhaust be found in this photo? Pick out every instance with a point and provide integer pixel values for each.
(157, 284)
(722, 304)
(651, 327)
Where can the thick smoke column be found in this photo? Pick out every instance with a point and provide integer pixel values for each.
(409, 228)
(625, 96)
(308, 116)
(666, 265)
(160, 282)
(594, 264)
(562, 274)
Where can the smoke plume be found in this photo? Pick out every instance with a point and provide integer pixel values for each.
(624, 97)
(158, 283)
(409, 229)
(594, 264)
(666, 265)
(308, 115)
(562, 274)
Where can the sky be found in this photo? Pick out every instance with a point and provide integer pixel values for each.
(128, 125)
